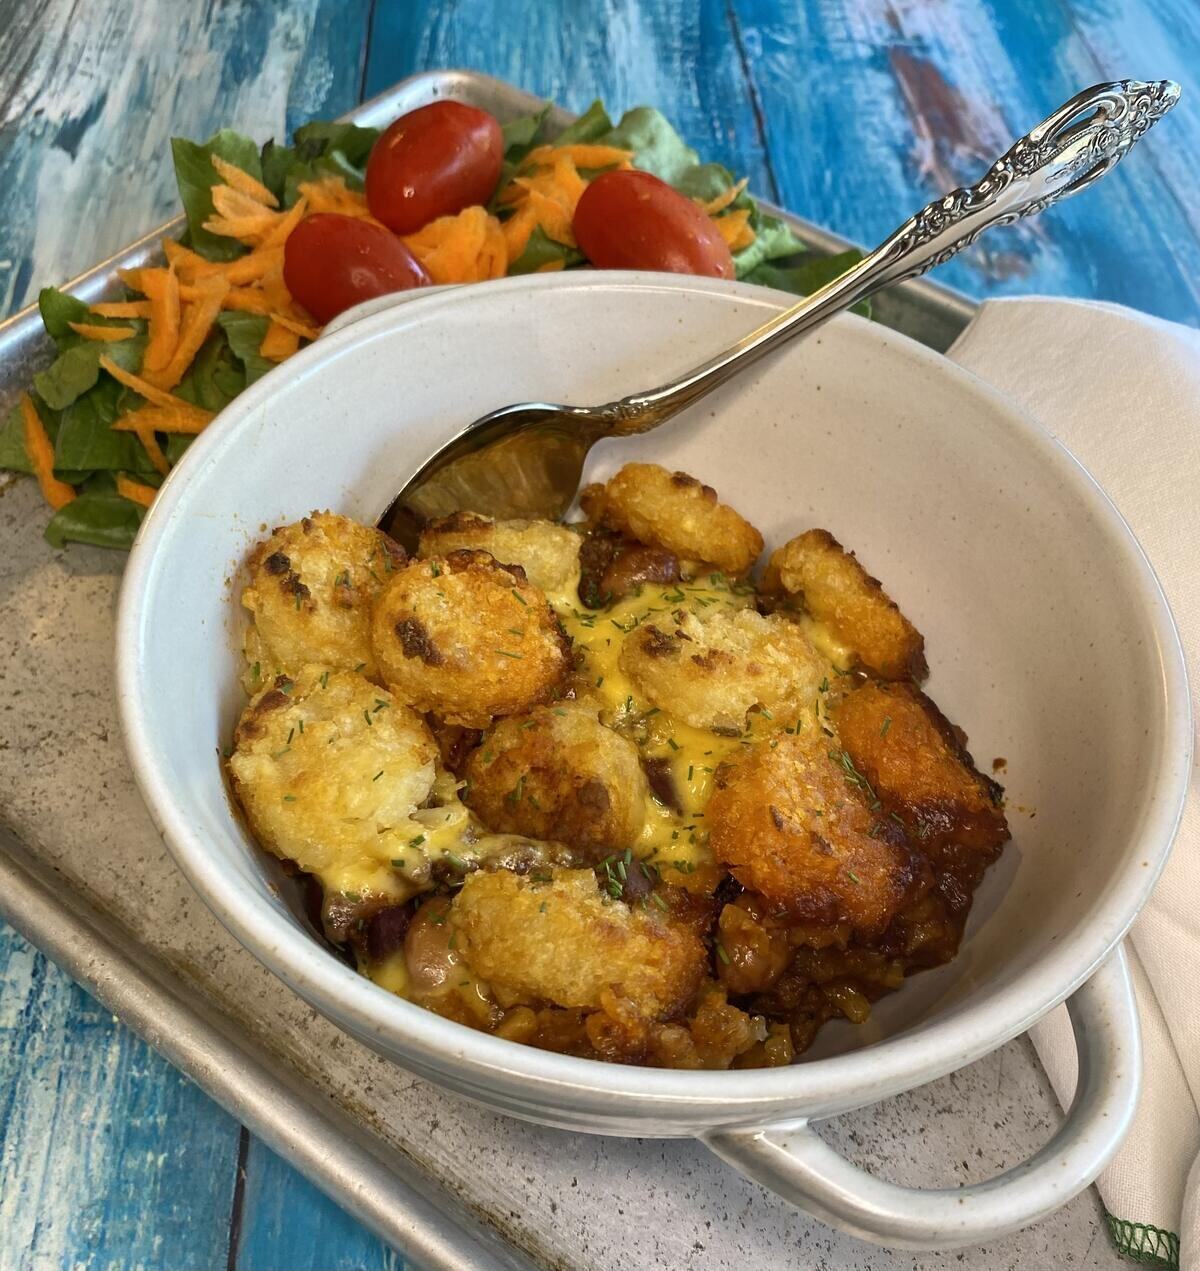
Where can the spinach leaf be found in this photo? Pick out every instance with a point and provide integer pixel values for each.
(216, 376)
(13, 457)
(59, 310)
(543, 250)
(810, 275)
(86, 441)
(320, 149)
(196, 177)
(96, 517)
(317, 139)
(69, 376)
(76, 369)
(177, 444)
(246, 332)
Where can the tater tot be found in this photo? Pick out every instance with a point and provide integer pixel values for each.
(565, 942)
(558, 773)
(792, 822)
(468, 639)
(548, 553)
(710, 669)
(918, 766)
(674, 511)
(311, 588)
(330, 769)
(835, 588)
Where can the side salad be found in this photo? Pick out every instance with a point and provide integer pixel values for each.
(280, 239)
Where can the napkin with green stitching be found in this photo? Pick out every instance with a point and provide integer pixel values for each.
(1122, 391)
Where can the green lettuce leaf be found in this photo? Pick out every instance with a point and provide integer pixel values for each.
(86, 442)
(319, 149)
(59, 310)
(542, 250)
(196, 176)
(97, 517)
(77, 368)
(216, 376)
(656, 146)
(811, 274)
(246, 332)
(13, 457)
(591, 126)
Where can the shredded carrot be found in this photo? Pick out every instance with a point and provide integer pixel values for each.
(183, 418)
(243, 182)
(286, 223)
(279, 343)
(582, 156)
(239, 216)
(107, 335)
(243, 299)
(305, 330)
(254, 267)
(722, 201)
(132, 278)
(40, 450)
(734, 228)
(162, 286)
(331, 194)
(197, 322)
(145, 434)
(517, 230)
(462, 248)
(155, 395)
(122, 309)
(135, 491)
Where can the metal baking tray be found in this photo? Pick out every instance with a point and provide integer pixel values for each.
(84, 876)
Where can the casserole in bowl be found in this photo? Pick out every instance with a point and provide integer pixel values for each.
(1045, 626)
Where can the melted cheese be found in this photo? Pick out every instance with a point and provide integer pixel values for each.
(676, 842)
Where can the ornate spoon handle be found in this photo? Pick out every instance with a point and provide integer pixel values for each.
(1067, 152)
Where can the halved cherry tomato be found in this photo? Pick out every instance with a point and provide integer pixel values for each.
(332, 262)
(632, 220)
(433, 162)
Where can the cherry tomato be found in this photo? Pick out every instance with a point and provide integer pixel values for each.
(332, 262)
(433, 162)
(632, 220)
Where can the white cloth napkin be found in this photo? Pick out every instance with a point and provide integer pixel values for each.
(1122, 391)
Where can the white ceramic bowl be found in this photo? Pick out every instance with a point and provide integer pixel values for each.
(1047, 633)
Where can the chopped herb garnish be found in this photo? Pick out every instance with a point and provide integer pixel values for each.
(324, 679)
(380, 705)
(887, 723)
(289, 798)
(256, 671)
(543, 906)
(417, 841)
(398, 862)
(672, 743)
(517, 596)
(367, 717)
(599, 680)
(823, 687)
(517, 631)
(291, 734)
(377, 775)
(853, 877)
(504, 653)
(658, 900)
(721, 953)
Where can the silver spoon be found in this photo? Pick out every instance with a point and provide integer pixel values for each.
(526, 460)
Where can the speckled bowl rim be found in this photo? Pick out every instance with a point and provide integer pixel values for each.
(505, 1068)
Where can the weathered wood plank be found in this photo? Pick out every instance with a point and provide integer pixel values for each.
(108, 1155)
(904, 101)
(287, 1225)
(90, 97)
(679, 57)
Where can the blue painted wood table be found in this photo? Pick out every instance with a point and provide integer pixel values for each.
(851, 112)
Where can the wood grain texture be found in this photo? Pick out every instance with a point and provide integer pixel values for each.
(908, 99)
(287, 1225)
(108, 1155)
(850, 111)
(90, 96)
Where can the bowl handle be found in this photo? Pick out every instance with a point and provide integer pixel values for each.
(795, 1163)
